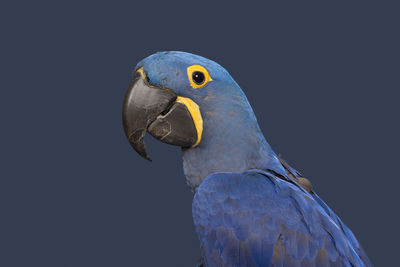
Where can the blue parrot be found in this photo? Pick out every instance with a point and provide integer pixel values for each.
(250, 207)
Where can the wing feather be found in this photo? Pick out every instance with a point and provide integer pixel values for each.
(257, 219)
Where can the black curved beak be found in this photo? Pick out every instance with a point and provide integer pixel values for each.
(154, 109)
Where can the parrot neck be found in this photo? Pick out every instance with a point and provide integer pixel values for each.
(232, 142)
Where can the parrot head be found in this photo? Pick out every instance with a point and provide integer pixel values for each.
(189, 101)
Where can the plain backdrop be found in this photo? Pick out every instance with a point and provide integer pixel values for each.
(322, 77)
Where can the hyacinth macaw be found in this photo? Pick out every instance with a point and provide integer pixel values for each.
(250, 208)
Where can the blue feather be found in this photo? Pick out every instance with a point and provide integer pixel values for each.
(274, 223)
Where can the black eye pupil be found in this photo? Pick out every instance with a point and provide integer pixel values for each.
(198, 77)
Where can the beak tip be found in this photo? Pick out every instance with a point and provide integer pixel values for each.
(140, 148)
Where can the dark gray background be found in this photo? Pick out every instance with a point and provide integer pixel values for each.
(323, 79)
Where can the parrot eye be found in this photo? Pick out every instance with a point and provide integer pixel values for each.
(198, 76)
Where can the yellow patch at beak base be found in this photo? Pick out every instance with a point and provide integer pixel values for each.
(196, 115)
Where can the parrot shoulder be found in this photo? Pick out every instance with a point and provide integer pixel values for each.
(255, 219)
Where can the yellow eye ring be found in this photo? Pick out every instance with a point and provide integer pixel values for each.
(198, 76)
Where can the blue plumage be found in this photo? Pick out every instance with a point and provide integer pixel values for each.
(230, 126)
(248, 209)
(257, 219)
